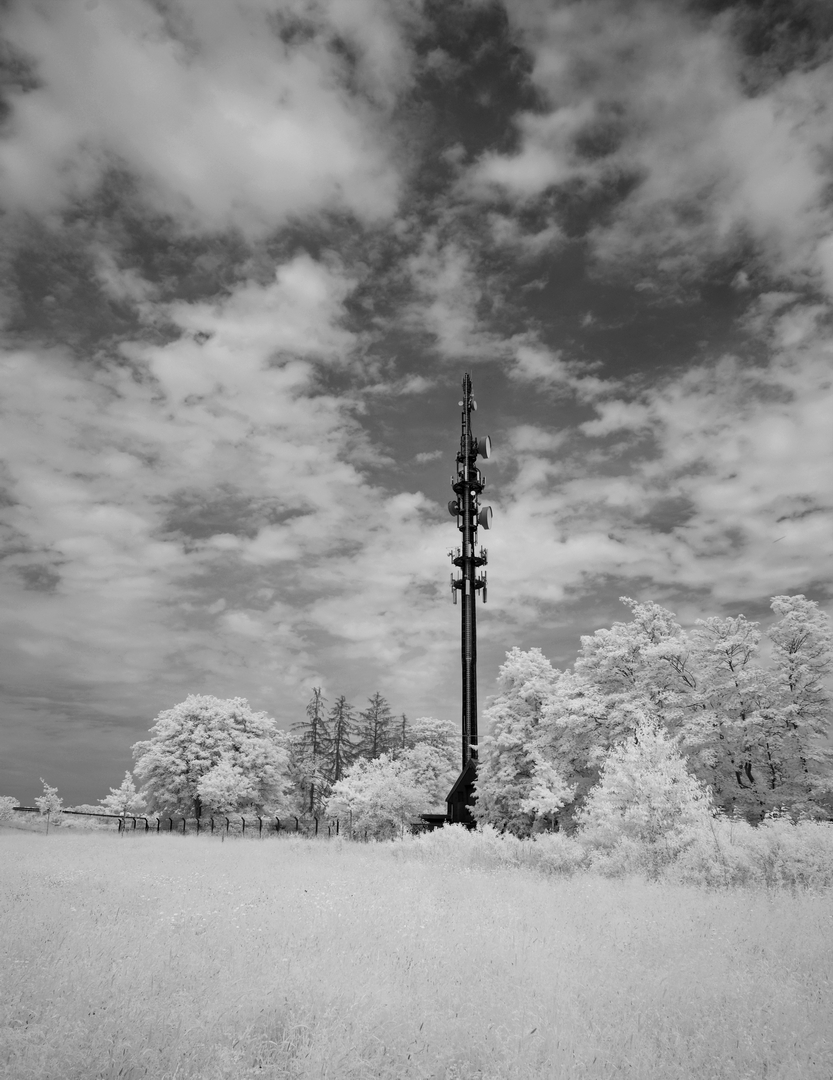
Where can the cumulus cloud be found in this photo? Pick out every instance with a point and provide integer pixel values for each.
(451, 295)
(227, 115)
(718, 485)
(646, 107)
(152, 503)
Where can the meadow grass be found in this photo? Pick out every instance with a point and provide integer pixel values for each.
(175, 958)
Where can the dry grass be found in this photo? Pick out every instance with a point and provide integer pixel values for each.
(175, 958)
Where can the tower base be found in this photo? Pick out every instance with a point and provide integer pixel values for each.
(461, 797)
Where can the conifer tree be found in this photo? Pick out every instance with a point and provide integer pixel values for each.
(339, 749)
(314, 740)
(401, 741)
(374, 735)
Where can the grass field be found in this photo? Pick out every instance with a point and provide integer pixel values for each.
(173, 958)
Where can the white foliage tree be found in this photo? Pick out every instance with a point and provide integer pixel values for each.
(723, 732)
(380, 795)
(758, 737)
(803, 704)
(189, 742)
(124, 799)
(225, 787)
(511, 783)
(645, 795)
(385, 794)
(548, 791)
(429, 731)
(432, 759)
(49, 803)
(7, 805)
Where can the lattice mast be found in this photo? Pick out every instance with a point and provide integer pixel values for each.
(468, 485)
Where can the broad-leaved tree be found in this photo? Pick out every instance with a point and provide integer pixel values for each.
(124, 799)
(198, 735)
(645, 794)
(509, 767)
(379, 795)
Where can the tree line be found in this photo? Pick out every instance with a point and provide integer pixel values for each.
(648, 715)
(209, 755)
(753, 730)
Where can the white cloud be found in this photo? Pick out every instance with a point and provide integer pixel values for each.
(450, 294)
(617, 416)
(221, 122)
(648, 93)
(730, 497)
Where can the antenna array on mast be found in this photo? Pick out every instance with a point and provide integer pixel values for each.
(469, 559)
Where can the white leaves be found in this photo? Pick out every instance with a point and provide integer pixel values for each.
(224, 744)
(124, 799)
(645, 793)
(49, 802)
(381, 795)
(225, 787)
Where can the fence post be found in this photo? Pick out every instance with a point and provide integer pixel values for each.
(198, 826)
(147, 824)
(227, 824)
(277, 825)
(297, 825)
(171, 823)
(259, 827)
(134, 823)
(337, 825)
(158, 823)
(365, 835)
(243, 830)
(211, 819)
(316, 825)
(183, 826)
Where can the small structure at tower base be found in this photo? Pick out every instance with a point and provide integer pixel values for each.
(461, 796)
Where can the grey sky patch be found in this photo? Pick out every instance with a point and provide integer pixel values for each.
(40, 578)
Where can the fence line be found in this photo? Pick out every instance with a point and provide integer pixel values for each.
(230, 824)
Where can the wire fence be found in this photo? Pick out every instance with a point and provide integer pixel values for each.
(223, 825)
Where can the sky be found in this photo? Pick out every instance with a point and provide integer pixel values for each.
(251, 246)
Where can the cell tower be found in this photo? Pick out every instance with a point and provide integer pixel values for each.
(468, 485)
